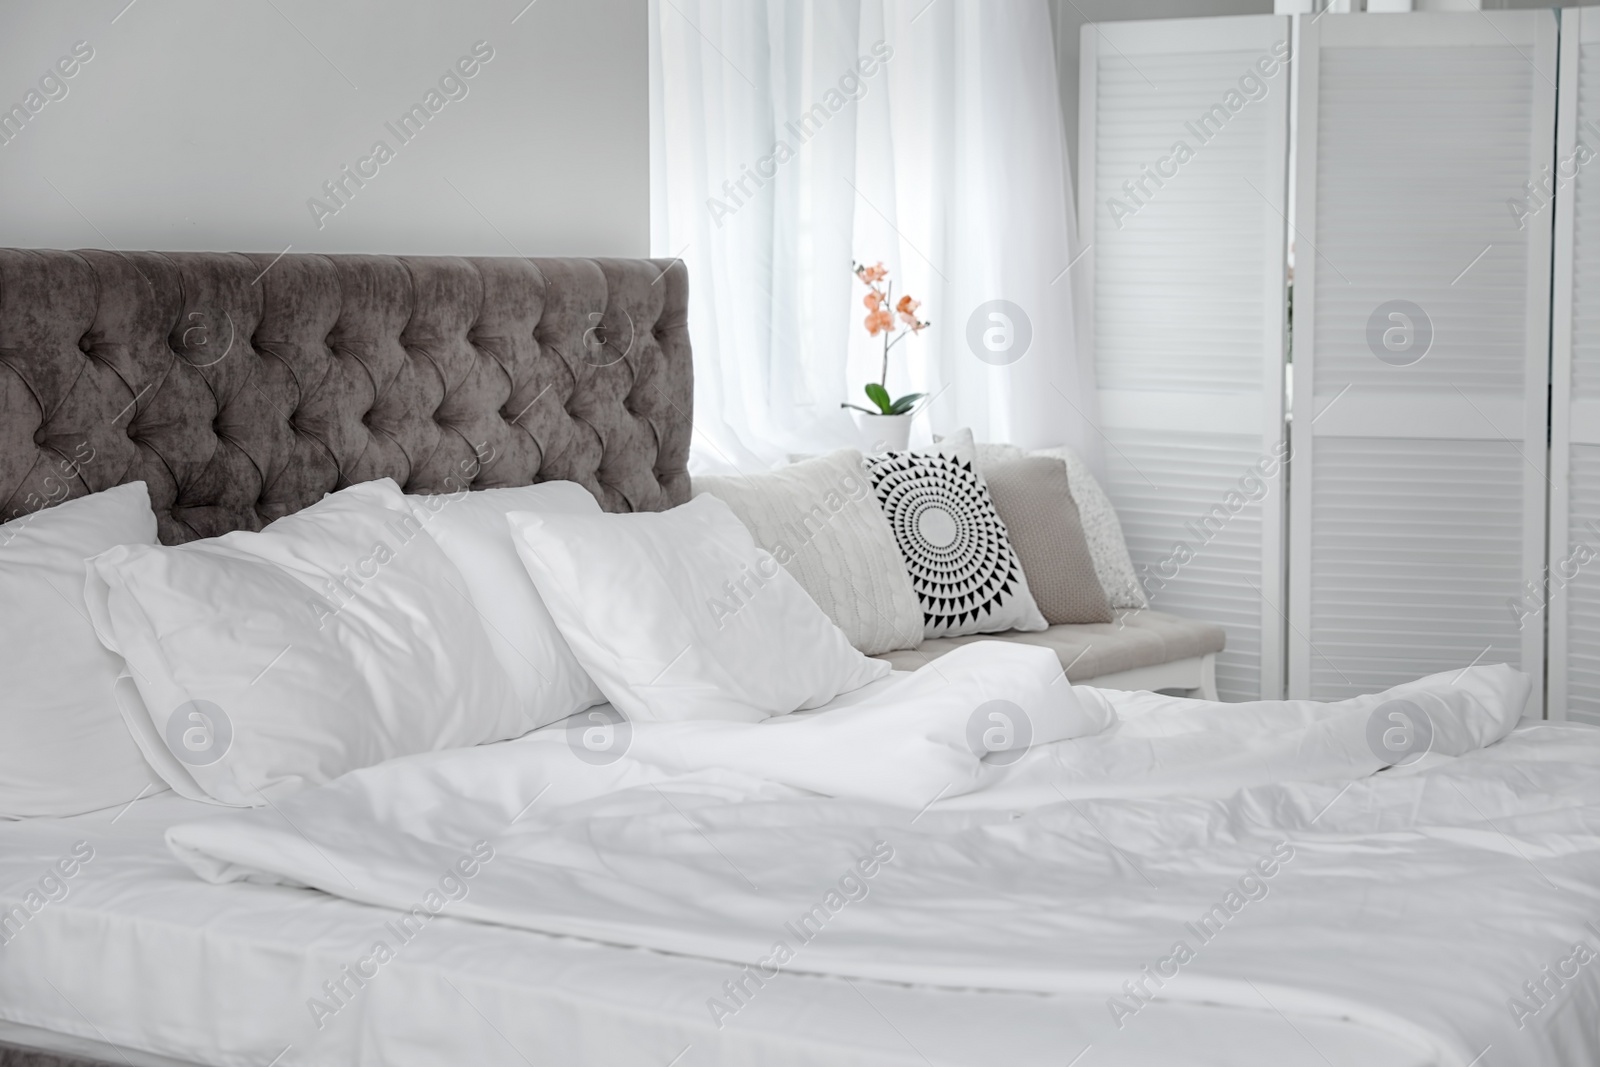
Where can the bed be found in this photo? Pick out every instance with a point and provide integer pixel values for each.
(1406, 916)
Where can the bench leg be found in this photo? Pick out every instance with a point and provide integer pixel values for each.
(1207, 689)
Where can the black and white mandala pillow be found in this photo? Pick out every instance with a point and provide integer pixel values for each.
(965, 573)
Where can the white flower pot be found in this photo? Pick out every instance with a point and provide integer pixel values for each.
(884, 433)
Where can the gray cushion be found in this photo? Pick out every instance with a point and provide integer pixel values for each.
(1034, 499)
(1135, 639)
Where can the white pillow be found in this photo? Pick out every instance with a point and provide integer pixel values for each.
(820, 520)
(63, 747)
(471, 528)
(336, 638)
(989, 453)
(955, 546)
(678, 615)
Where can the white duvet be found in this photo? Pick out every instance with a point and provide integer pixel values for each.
(1144, 849)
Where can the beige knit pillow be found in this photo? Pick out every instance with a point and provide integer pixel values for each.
(820, 520)
(1034, 499)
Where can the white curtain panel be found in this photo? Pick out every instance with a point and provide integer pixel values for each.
(789, 138)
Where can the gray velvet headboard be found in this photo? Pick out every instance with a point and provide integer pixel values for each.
(243, 387)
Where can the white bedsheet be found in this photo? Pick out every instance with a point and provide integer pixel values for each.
(1413, 903)
(144, 963)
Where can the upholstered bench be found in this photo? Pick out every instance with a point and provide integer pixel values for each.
(1142, 649)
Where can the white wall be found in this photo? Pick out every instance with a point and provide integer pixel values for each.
(208, 126)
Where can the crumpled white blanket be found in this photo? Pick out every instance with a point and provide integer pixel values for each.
(1144, 847)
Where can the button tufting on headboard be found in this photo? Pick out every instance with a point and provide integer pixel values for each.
(242, 388)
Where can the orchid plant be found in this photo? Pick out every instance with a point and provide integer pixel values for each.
(882, 312)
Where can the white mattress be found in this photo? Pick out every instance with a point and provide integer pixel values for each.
(146, 964)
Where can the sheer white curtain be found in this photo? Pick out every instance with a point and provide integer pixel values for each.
(790, 137)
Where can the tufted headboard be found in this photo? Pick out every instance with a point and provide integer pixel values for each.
(243, 387)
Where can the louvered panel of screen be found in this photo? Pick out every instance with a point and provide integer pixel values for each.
(1203, 555)
(1572, 589)
(1580, 213)
(1186, 315)
(1421, 346)
(1414, 544)
(1579, 598)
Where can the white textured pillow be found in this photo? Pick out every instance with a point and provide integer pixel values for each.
(989, 454)
(336, 638)
(63, 747)
(1107, 547)
(678, 615)
(820, 520)
(471, 528)
(963, 568)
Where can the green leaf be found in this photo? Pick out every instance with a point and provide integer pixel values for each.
(879, 396)
(905, 403)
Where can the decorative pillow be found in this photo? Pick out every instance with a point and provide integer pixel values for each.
(1103, 532)
(988, 454)
(1034, 500)
(63, 747)
(1101, 527)
(471, 528)
(336, 638)
(821, 521)
(954, 544)
(678, 615)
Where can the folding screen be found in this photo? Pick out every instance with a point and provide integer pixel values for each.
(1183, 133)
(1420, 346)
(1571, 179)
